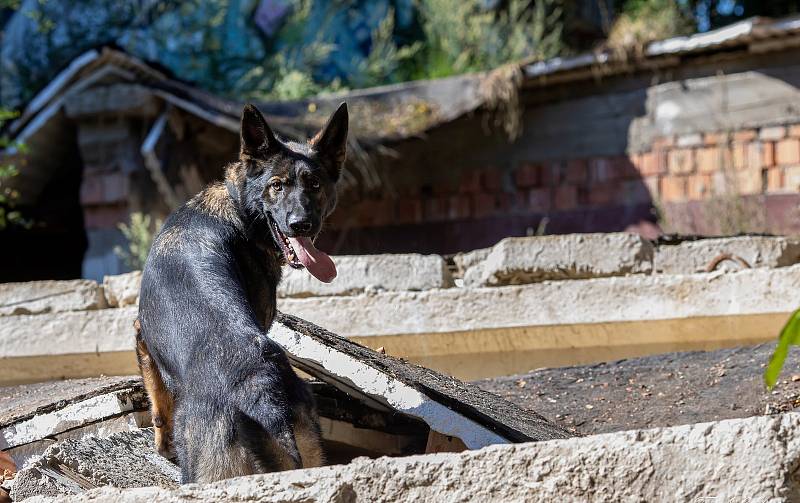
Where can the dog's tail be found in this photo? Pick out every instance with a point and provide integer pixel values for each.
(272, 446)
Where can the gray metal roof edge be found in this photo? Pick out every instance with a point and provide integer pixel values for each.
(742, 32)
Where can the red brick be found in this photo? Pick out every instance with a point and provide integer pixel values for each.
(374, 212)
(483, 204)
(554, 173)
(745, 135)
(625, 167)
(409, 210)
(709, 159)
(583, 195)
(767, 154)
(601, 194)
(602, 169)
(680, 161)
(787, 152)
(791, 179)
(715, 138)
(504, 201)
(538, 200)
(459, 207)
(105, 216)
(746, 155)
(566, 197)
(663, 142)
(699, 187)
(491, 179)
(105, 188)
(653, 163)
(653, 184)
(635, 192)
(576, 171)
(528, 175)
(443, 188)
(774, 179)
(673, 188)
(749, 181)
(434, 209)
(470, 182)
(794, 131)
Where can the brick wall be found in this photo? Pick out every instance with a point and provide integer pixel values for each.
(675, 171)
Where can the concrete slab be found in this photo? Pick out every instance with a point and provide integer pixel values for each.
(737, 460)
(466, 332)
(703, 254)
(36, 297)
(126, 459)
(370, 273)
(515, 261)
(123, 289)
(18, 403)
(74, 415)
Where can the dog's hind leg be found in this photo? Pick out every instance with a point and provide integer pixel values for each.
(161, 401)
(209, 443)
(308, 437)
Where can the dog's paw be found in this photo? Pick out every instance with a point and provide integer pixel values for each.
(164, 445)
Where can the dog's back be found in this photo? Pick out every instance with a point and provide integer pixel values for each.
(233, 385)
(208, 296)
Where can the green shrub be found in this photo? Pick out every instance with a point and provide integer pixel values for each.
(8, 170)
(139, 234)
(461, 36)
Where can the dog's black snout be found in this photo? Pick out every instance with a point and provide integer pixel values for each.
(300, 225)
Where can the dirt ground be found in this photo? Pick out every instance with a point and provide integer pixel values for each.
(661, 390)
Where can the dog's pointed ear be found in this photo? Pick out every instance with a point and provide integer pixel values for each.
(256, 136)
(330, 143)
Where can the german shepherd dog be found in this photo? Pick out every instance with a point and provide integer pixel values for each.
(218, 386)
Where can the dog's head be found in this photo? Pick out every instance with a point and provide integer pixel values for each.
(293, 185)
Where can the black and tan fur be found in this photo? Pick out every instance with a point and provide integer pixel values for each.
(220, 389)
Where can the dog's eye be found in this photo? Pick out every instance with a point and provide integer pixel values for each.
(314, 184)
(276, 185)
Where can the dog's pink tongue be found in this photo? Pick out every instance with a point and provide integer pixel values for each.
(318, 263)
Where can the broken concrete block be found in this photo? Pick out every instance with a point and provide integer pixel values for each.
(515, 261)
(126, 459)
(721, 253)
(123, 289)
(74, 415)
(82, 339)
(19, 403)
(551, 303)
(360, 273)
(37, 297)
(737, 460)
(445, 404)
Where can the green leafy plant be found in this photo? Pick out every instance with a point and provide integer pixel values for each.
(643, 21)
(790, 336)
(139, 234)
(9, 215)
(486, 38)
(289, 73)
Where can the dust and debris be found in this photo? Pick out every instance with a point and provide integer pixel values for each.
(655, 391)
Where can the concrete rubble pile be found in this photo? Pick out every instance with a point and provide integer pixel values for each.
(502, 310)
(490, 312)
(753, 459)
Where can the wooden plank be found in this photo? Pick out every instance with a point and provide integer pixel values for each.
(448, 405)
